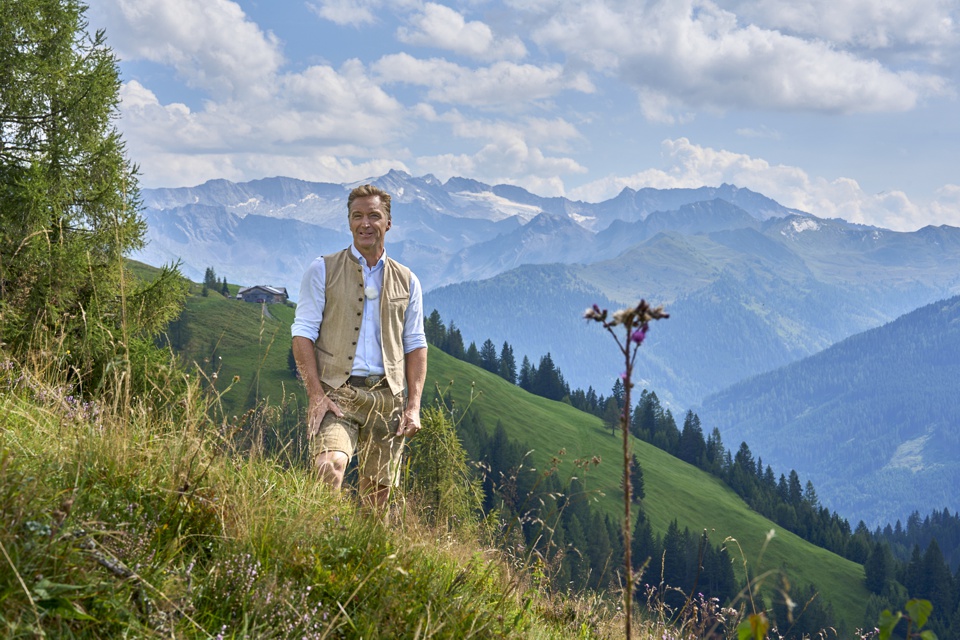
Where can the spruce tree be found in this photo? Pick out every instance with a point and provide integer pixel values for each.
(508, 364)
(877, 567)
(488, 356)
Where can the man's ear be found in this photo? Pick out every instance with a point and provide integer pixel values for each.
(389, 223)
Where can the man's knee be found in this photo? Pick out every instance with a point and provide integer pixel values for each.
(331, 466)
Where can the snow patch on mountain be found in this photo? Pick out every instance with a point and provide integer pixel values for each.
(499, 207)
(909, 455)
(805, 225)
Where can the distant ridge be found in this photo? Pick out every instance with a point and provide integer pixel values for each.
(873, 421)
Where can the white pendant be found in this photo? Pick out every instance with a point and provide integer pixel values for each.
(371, 292)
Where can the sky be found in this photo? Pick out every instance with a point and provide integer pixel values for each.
(841, 108)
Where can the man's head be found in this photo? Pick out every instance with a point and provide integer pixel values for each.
(369, 216)
(365, 190)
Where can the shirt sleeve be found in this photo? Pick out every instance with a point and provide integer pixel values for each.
(310, 304)
(414, 336)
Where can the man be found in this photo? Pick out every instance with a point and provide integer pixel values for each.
(358, 339)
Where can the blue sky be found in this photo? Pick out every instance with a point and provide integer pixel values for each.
(843, 108)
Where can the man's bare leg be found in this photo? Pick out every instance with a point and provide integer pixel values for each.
(375, 497)
(331, 466)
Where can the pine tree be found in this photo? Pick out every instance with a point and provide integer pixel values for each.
(576, 556)
(472, 355)
(225, 288)
(936, 582)
(488, 356)
(549, 382)
(435, 331)
(645, 550)
(692, 447)
(527, 375)
(877, 567)
(796, 494)
(639, 492)
(454, 342)
(210, 280)
(508, 365)
(618, 392)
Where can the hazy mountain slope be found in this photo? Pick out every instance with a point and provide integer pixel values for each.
(742, 302)
(873, 421)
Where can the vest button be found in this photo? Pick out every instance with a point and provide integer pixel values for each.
(359, 313)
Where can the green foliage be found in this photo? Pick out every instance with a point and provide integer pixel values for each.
(918, 611)
(440, 475)
(69, 200)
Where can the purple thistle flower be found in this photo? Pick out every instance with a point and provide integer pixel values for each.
(638, 335)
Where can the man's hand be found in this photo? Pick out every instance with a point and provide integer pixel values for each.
(409, 422)
(317, 409)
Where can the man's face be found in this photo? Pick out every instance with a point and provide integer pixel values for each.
(368, 224)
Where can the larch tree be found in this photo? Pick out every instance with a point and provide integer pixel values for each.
(69, 197)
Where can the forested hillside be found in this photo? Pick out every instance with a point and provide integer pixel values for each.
(874, 421)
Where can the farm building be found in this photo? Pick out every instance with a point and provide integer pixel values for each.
(263, 293)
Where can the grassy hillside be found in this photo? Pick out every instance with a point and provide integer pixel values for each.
(255, 347)
(135, 517)
(230, 338)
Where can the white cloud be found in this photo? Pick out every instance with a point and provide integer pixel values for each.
(763, 131)
(346, 12)
(694, 54)
(211, 43)
(500, 84)
(442, 27)
(945, 208)
(512, 153)
(690, 166)
(873, 24)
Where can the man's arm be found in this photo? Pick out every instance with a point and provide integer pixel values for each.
(415, 370)
(319, 403)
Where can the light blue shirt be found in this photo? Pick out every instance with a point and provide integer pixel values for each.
(369, 358)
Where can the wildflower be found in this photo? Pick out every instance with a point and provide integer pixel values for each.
(236, 378)
(594, 313)
(638, 335)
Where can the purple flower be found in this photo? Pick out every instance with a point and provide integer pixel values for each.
(638, 335)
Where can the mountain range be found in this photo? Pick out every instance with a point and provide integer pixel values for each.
(751, 285)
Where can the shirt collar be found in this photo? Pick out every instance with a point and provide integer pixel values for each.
(363, 261)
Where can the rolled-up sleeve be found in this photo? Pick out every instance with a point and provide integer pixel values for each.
(414, 336)
(311, 302)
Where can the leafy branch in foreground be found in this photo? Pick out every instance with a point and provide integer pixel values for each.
(634, 322)
(918, 612)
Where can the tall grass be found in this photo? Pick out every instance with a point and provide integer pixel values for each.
(142, 517)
